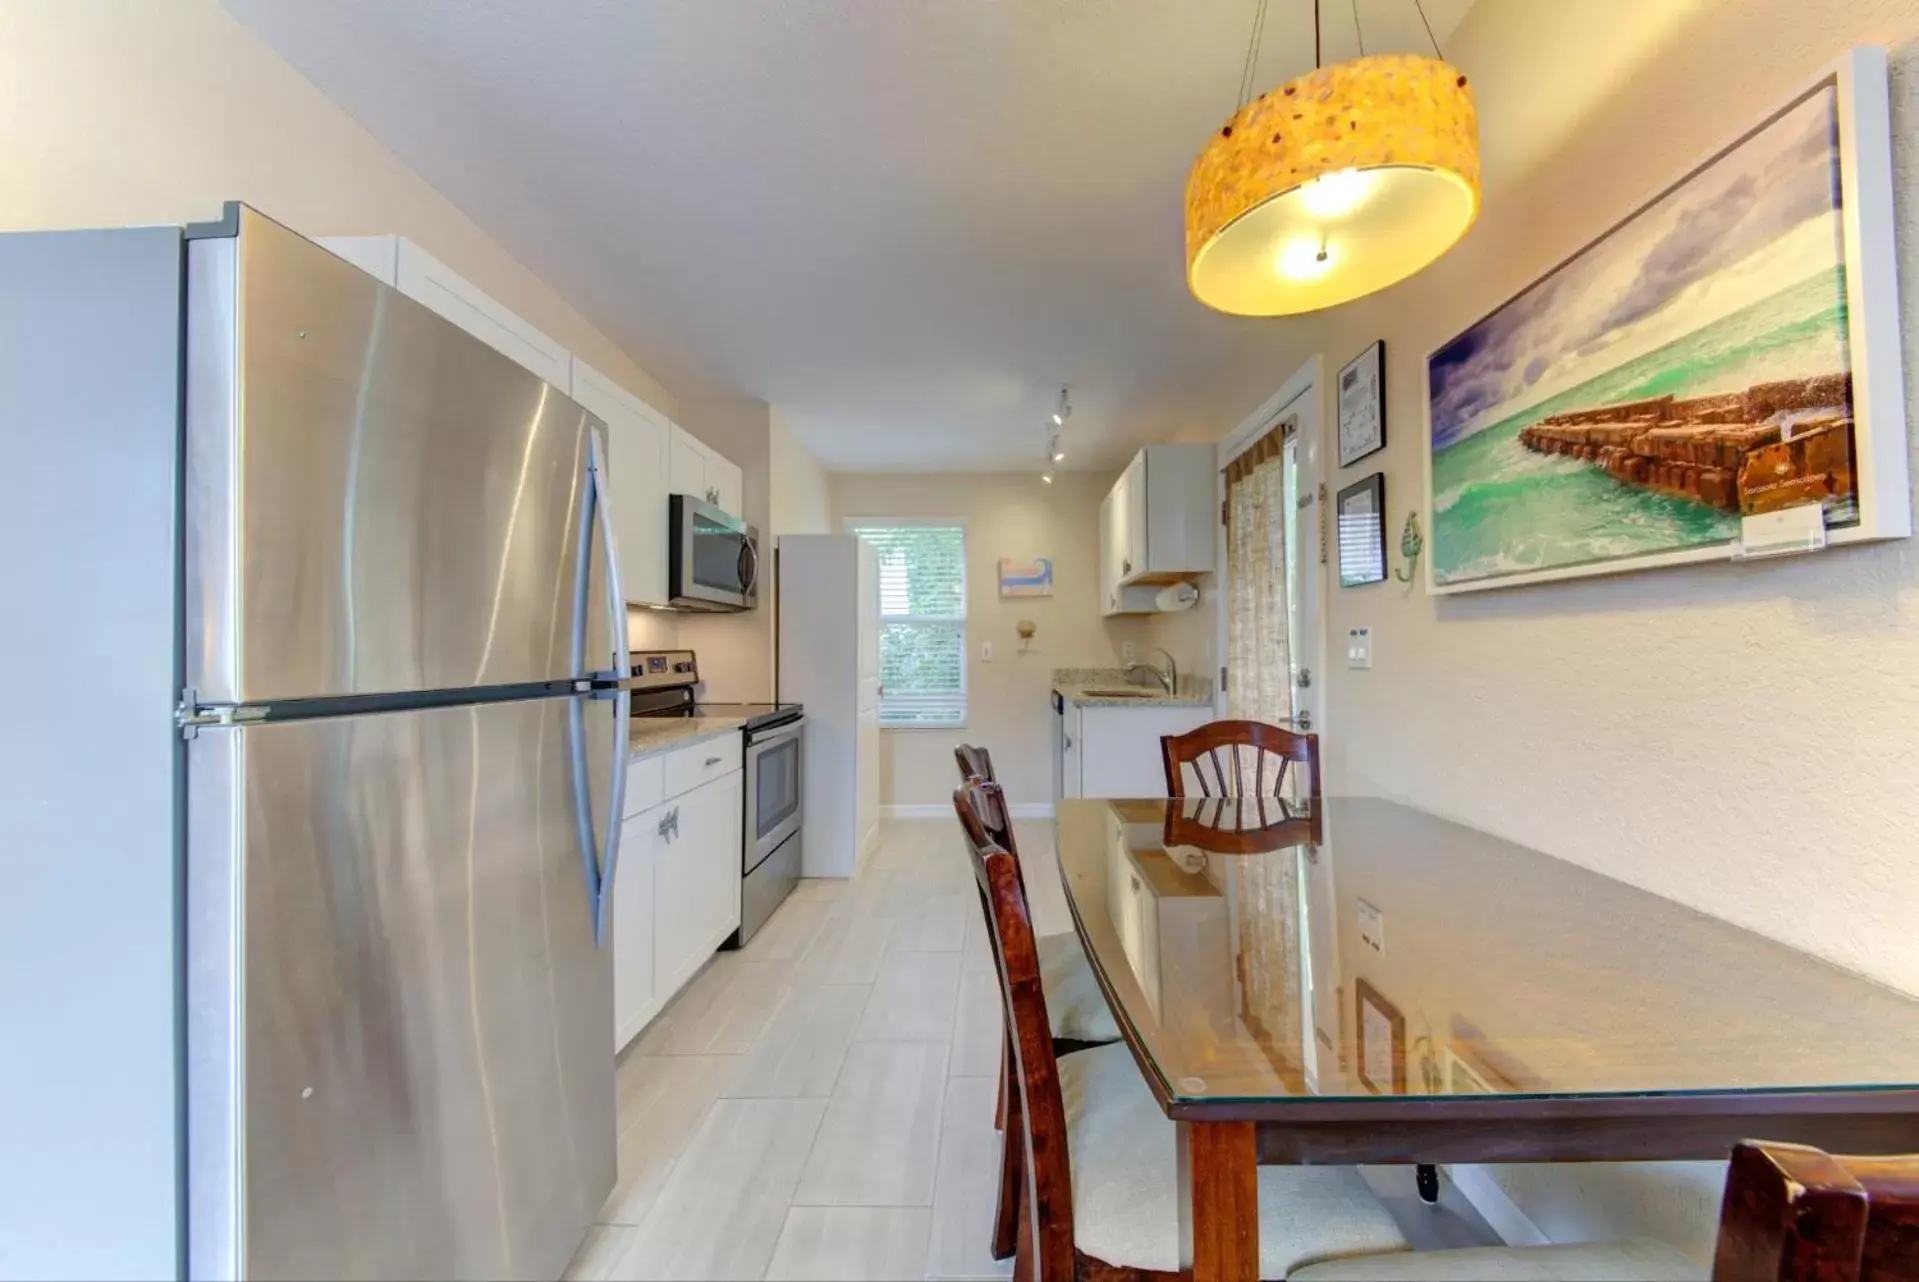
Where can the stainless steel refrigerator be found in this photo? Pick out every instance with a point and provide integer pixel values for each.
(392, 760)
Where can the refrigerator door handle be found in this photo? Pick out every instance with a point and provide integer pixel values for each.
(600, 867)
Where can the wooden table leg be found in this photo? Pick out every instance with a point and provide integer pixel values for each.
(1219, 1201)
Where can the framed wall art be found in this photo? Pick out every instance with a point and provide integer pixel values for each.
(1361, 509)
(1722, 353)
(1382, 1042)
(1031, 577)
(1362, 405)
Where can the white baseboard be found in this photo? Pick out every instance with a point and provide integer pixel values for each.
(1025, 810)
(1514, 1227)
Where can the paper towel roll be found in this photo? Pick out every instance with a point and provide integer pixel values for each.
(1181, 596)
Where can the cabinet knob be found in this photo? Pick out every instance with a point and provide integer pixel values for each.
(712, 761)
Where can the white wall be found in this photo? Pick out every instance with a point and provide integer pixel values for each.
(801, 500)
(1008, 700)
(114, 113)
(1740, 739)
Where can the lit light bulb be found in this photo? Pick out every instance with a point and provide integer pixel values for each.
(1059, 455)
(1304, 260)
(1047, 476)
(1336, 194)
(1059, 420)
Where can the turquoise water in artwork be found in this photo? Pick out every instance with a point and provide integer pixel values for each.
(1499, 508)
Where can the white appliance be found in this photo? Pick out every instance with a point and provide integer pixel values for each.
(829, 660)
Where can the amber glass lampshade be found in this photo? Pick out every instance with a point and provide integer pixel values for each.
(1333, 186)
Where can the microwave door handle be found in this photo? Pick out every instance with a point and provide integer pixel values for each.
(749, 567)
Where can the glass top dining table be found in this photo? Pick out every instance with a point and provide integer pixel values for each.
(1264, 965)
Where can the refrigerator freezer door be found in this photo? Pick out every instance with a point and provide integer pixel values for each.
(376, 502)
(423, 1019)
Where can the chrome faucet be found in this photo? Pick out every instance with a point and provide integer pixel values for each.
(1167, 677)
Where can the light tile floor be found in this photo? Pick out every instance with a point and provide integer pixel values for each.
(820, 1103)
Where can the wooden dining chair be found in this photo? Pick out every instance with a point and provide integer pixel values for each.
(1065, 974)
(1789, 1214)
(1243, 743)
(1238, 825)
(1081, 1016)
(1098, 1180)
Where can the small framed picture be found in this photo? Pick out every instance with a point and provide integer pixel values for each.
(1382, 1042)
(1362, 532)
(1362, 405)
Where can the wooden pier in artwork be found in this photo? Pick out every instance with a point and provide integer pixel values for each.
(1731, 451)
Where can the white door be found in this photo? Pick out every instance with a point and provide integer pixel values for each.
(687, 467)
(726, 481)
(1305, 557)
(633, 926)
(636, 481)
(1134, 550)
(867, 714)
(713, 817)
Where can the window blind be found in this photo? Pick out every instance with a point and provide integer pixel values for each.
(922, 641)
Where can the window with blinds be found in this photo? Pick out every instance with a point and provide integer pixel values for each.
(922, 572)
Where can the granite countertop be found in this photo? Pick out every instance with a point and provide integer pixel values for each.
(1073, 684)
(650, 735)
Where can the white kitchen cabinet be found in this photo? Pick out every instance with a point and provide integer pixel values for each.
(636, 480)
(696, 879)
(635, 997)
(425, 279)
(1159, 522)
(1115, 512)
(1113, 751)
(703, 472)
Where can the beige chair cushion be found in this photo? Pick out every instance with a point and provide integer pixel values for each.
(1074, 1002)
(1125, 1182)
(1639, 1260)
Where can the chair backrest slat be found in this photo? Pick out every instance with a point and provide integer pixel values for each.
(1192, 749)
(1038, 1118)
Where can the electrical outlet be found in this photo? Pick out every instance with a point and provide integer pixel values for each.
(1359, 647)
(1372, 927)
(986, 652)
(1127, 651)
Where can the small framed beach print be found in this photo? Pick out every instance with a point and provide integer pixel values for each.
(1728, 349)
(1362, 405)
(1020, 577)
(1362, 532)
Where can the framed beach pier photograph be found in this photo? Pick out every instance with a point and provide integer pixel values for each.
(1727, 351)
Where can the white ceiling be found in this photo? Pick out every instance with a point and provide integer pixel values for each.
(903, 222)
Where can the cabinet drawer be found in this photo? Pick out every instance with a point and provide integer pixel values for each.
(645, 789)
(695, 764)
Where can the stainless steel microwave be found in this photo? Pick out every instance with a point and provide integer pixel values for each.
(713, 557)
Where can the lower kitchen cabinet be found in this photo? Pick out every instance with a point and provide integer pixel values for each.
(696, 880)
(1114, 751)
(633, 907)
(676, 897)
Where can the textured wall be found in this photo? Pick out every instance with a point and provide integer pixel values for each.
(1739, 738)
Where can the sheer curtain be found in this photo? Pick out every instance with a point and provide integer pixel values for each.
(1259, 668)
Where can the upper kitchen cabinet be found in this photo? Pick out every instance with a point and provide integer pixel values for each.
(428, 281)
(637, 437)
(704, 473)
(1156, 526)
(1168, 512)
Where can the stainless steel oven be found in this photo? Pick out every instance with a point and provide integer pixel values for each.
(775, 814)
(713, 557)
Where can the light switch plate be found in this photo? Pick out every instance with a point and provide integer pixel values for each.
(1126, 651)
(1372, 927)
(1359, 647)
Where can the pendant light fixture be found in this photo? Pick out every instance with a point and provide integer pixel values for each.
(1334, 185)
(1055, 451)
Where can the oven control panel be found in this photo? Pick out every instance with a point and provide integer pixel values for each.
(654, 669)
